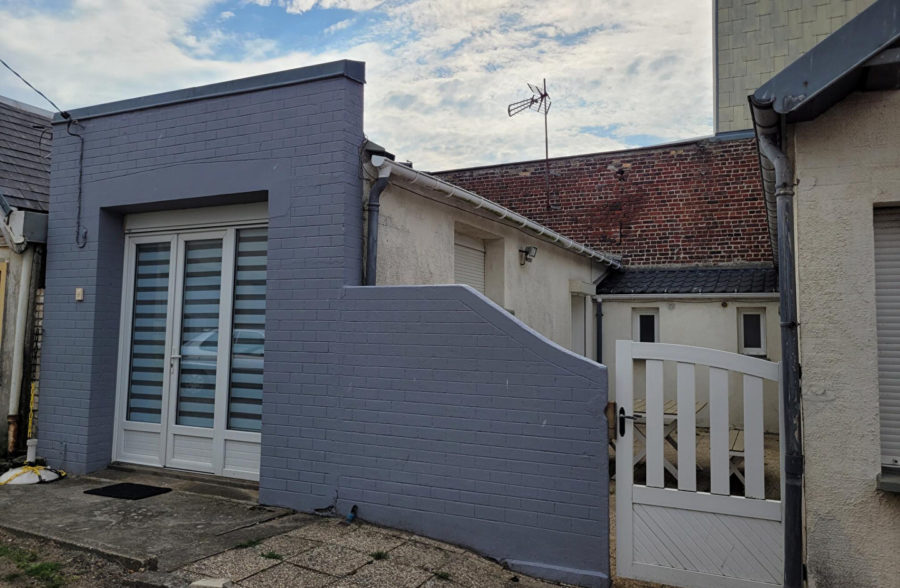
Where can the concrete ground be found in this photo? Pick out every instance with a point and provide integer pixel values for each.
(205, 530)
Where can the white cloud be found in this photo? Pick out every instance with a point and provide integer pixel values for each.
(440, 74)
(226, 15)
(301, 6)
(339, 26)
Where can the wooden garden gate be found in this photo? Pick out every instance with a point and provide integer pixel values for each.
(679, 535)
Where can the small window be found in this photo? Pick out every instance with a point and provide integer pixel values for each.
(752, 331)
(646, 325)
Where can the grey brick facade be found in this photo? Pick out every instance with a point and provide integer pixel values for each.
(430, 408)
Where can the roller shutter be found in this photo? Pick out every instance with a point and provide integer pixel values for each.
(468, 262)
(887, 304)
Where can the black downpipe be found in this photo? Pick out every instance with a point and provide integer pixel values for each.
(372, 236)
(599, 330)
(790, 367)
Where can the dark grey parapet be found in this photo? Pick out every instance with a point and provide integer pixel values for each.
(434, 410)
(354, 70)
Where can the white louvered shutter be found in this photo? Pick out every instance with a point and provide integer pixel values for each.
(887, 304)
(468, 262)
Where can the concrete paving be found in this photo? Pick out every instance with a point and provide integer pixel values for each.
(205, 530)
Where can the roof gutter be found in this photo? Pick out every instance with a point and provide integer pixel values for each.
(778, 185)
(383, 164)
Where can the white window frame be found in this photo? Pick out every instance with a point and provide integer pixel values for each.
(754, 351)
(636, 314)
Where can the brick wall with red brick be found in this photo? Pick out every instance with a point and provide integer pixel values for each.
(691, 203)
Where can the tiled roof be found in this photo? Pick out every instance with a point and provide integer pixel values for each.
(25, 137)
(749, 280)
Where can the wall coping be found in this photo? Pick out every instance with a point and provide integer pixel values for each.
(354, 70)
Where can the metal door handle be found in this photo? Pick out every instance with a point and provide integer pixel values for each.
(622, 417)
(172, 359)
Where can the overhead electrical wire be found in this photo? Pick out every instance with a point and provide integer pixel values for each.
(63, 114)
(80, 230)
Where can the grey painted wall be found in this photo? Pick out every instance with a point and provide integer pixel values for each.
(436, 411)
(298, 143)
(429, 407)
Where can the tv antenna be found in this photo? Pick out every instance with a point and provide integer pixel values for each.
(539, 102)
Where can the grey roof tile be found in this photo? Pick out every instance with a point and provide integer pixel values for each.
(25, 138)
(750, 280)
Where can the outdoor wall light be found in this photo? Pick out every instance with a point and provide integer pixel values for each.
(528, 254)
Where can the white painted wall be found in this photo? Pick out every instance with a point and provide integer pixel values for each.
(702, 322)
(415, 246)
(847, 161)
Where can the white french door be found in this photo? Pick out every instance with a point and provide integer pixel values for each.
(191, 351)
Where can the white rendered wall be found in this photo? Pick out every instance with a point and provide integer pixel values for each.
(847, 162)
(700, 322)
(415, 247)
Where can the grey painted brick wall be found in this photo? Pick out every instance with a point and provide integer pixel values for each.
(434, 410)
(299, 144)
(429, 407)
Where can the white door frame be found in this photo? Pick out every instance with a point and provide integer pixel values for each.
(214, 435)
(166, 430)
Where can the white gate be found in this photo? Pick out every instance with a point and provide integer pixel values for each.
(681, 535)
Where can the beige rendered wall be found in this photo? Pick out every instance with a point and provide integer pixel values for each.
(756, 39)
(847, 162)
(415, 246)
(701, 322)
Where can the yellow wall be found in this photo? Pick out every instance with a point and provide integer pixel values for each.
(847, 162)
(754, 40)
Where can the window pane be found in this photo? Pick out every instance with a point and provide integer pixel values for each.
(148, 334)
(199, 333)
(647, 328)
(752, 331)
(248, 332)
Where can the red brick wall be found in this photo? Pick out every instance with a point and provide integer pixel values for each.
(688, 204)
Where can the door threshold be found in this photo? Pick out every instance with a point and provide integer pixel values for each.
(210, 479)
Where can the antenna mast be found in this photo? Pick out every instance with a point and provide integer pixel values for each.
(540, 102)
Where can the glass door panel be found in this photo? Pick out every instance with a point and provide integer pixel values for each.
(248, 331)
(199, 333)
(147, 369)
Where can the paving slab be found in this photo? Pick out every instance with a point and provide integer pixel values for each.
(332, 559)
(417, 554)
(472, 571)
(236, 564)
(381, 574)
(286, 545)
(165, 531)
(287, 575)
(369, 540)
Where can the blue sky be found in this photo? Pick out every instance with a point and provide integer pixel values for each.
(439, 73)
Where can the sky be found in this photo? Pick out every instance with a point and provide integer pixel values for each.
(439, 73)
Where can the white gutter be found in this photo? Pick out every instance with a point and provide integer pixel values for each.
(382, 163)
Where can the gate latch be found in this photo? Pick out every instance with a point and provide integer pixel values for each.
(622, 417)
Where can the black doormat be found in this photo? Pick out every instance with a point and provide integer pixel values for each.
(128, 491)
